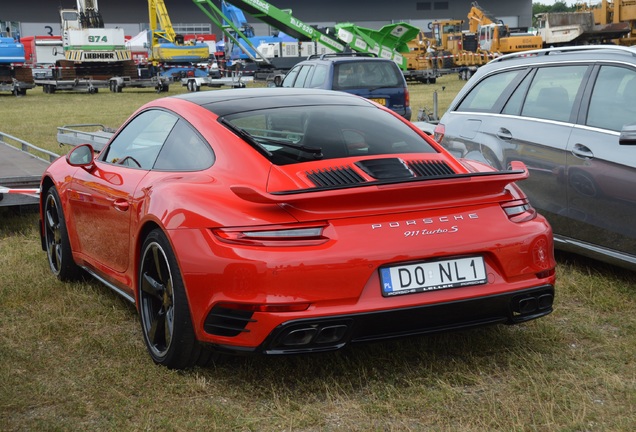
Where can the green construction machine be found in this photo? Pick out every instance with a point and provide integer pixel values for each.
(391, 41)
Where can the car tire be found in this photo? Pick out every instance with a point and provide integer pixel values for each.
(163, 308)
(58, 246)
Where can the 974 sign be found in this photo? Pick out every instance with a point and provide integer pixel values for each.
(97, 39)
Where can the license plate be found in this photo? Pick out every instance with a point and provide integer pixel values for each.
(381, 101)
(432, 275)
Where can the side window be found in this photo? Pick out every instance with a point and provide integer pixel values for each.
(613, 101)
(552, 92)
(184, 150)
(138, 144)
(484, 96)
(302, 76)
(319, 77)
(291, 77)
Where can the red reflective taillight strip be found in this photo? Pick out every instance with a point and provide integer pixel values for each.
(273, 235)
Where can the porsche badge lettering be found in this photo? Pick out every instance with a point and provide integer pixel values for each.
(415, 223)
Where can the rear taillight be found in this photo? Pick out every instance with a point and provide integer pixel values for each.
(407, 97)
(274, 235)
(438, 133)
(519, 210)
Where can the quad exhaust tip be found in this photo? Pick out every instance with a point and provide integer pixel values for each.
(532, 304)
(314, 335)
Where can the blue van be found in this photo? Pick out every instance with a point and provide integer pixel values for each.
(378, 79)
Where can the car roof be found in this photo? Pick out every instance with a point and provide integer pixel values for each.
(344, 58)
(223, 102)
(560, 54)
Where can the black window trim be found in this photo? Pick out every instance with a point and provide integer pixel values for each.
(512, 87)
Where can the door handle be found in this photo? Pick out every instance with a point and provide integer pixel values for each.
(504, 134)
(121, 204)
(583, 152)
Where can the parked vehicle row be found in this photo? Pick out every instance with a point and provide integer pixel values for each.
(293, 220)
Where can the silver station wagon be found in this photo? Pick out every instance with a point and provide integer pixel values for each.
(570, 115)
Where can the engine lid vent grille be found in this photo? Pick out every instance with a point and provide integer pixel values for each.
(386, 168)
(335, 177)
(430, 168)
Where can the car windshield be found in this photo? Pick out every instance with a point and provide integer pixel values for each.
(300, 134)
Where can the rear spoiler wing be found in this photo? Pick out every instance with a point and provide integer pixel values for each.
(446, 188)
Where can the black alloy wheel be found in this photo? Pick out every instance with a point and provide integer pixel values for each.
(58, 247)
(163, 307)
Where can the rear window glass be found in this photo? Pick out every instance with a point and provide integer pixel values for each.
(293, 135)
(356, 74)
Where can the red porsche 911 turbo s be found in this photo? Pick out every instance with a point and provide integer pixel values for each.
(283, 221)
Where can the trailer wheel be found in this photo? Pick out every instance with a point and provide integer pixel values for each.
(465, 74)
(163, 87)
(114, 87)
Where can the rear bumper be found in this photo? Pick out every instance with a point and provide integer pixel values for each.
(330, 333)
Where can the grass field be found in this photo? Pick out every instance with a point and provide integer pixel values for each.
(72, 356)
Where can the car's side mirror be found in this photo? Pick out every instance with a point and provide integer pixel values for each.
(81, 156)
(628, 135)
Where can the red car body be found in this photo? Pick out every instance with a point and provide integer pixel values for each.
(278, 257)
